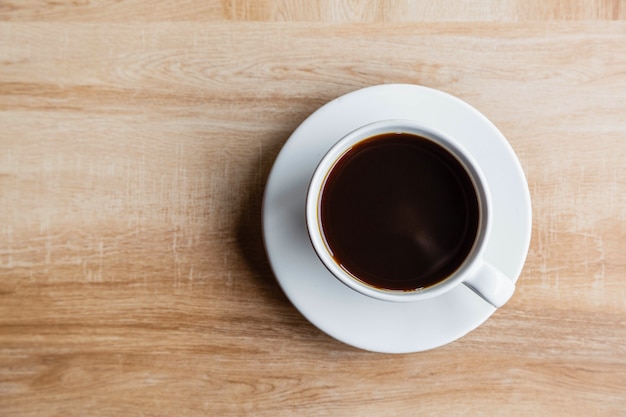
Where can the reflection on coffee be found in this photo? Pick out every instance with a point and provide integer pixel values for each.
(399, 212)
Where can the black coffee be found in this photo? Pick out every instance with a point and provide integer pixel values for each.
(399, 212)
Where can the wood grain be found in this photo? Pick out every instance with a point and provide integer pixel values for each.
(133, 154)
(328, 11)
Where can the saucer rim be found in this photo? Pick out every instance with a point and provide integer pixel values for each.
(516, 170)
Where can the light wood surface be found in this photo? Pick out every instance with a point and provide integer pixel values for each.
(135, 141)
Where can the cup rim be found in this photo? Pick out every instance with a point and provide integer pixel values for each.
(343, 145)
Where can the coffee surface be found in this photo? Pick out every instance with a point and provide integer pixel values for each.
(399, 212)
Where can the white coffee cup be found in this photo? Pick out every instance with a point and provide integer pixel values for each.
(474, 272)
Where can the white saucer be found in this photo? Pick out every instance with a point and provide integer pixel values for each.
(356, 319)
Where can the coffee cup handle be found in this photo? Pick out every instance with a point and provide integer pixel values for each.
(491, 284)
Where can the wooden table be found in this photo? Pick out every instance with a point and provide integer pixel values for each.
(135, 142)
